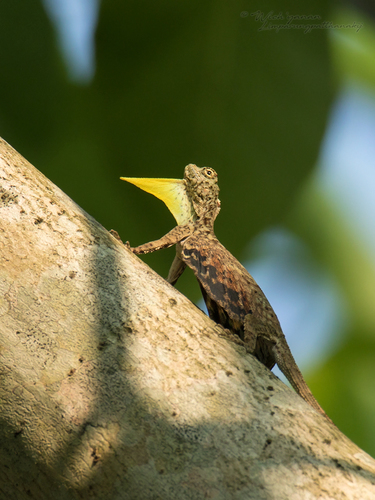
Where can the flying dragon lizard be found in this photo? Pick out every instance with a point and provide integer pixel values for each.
(233, 298)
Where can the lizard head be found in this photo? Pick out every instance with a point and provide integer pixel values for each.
(187, 199)
(203, 190)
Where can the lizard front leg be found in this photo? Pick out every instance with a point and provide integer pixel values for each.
(174, 236)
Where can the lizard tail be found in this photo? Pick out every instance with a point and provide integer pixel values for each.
(285, 361)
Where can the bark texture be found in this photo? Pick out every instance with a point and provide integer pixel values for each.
(115, 386)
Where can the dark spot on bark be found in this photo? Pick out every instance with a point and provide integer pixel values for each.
(72, 274)
(267, 444)
(338, 465)
(95, 457)
(20, 430)
(173, 302)
(81, 359)
(228, 373)
(270, 388)
(38, 220)
(327, 441)
(71, 372)
(7, 197)
(83, 427)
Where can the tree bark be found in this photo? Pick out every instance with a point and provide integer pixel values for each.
(115, 386)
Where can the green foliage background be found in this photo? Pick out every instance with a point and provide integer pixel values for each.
(196, 82)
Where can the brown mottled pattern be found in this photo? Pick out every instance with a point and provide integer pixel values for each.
(233, 298)
(230, 292)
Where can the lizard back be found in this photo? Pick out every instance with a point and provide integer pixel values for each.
(230, 292)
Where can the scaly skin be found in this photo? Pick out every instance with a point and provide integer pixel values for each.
(233, 298)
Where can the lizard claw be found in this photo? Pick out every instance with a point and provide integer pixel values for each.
(115, 234)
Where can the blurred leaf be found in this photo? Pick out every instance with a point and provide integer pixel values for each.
(353, 49)
(32, 78)
(343, 385)
(318, 220)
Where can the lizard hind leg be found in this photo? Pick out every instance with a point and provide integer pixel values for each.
(259, 341)
(250, 335)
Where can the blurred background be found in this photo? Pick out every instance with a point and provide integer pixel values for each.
(278, 98)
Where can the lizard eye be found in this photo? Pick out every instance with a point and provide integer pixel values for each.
(209, 172)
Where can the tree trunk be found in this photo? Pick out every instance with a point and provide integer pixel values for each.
(115, 386)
